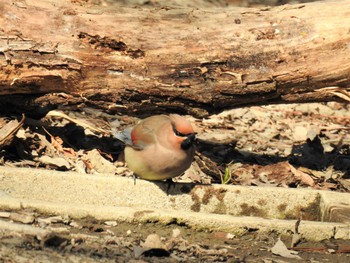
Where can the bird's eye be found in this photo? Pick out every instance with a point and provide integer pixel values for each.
(177, 133)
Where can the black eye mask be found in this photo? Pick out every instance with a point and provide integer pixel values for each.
(188, 142)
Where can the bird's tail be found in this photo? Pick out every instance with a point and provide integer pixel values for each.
(124, 136)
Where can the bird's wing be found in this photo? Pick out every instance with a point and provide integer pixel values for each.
(144, 133)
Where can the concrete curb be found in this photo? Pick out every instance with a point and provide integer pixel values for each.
(235, 209)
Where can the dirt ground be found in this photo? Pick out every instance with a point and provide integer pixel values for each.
(89, 240)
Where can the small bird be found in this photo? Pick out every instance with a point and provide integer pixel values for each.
(159, 147)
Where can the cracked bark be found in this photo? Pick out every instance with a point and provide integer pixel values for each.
(147, 60)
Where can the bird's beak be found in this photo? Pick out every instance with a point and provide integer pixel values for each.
(189, 141)
(192, 137)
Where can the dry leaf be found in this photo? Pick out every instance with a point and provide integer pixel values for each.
(55, 161)
(23, 218)
(8, 131)
(304, 178)
(100, 164)
(152, 246)
(153, 241)
(300, 134)
(57, 143)
(82, 123)
(280, 249)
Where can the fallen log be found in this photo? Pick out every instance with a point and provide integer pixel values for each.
(146, 60)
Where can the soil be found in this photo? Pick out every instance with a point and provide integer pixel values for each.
(89, 240)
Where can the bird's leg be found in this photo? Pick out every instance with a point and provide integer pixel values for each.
(169, 183)
(134, 176)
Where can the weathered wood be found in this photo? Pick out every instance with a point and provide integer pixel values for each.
(195, 61)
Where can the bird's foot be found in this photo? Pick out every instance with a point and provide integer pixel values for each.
(134, 177)
(169, 183)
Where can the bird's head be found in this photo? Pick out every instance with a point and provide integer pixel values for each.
(183, 133)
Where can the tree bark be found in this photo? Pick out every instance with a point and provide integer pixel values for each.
(146, 60)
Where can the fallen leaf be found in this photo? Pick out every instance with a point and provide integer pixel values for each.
(153, 246)
(304, 178)
(82, 123)
(23, 218)
(57, 143)
(8, 131)
(51, 220)
(55, 161)
(280, 249)
(100, 164)
(153, 241)
(312, 132)
(300, 134)
(222, 235)
(69, 152)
